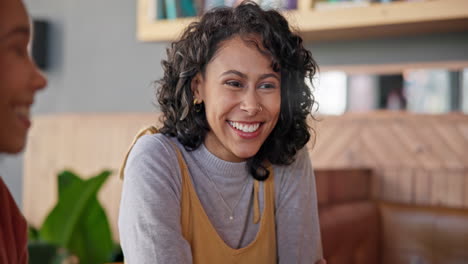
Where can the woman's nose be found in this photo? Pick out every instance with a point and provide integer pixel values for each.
(250, 104)
(38, 79)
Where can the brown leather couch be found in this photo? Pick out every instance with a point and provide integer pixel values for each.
(357, 229)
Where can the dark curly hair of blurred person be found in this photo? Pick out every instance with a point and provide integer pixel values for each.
(197, 46)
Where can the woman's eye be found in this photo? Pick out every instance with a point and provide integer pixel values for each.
(267, 86)
(234, 83)
(21, 51)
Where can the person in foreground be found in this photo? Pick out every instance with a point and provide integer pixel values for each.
(19, 81)
(228, 179)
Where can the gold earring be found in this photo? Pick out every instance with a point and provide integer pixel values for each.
(197, 105)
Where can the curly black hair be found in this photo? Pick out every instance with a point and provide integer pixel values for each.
(196, 47)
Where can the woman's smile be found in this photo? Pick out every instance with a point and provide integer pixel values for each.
(247, 127)
(246, 130)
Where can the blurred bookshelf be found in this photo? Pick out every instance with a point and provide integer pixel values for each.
(351, 88)
(164, 20)
(464, 93)
(428, 90)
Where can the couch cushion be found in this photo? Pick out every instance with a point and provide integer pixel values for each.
(423, 235)
(350, 233)
(342, 185)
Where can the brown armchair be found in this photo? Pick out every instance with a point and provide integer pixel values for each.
(357, 229)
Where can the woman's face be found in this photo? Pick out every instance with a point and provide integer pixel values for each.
(242, 96)
(19, 77)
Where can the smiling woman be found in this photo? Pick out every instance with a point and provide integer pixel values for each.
(19, 81)
(19, 77)
(228, 178)
(242, 100)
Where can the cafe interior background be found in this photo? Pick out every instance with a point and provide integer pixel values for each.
(101, 57)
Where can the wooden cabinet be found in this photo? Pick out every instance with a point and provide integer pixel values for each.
(374, 20)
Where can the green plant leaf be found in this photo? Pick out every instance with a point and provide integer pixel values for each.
(65, 179)
(96, 246)
(78, 222)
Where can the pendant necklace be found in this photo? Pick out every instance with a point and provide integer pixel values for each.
(230, 210)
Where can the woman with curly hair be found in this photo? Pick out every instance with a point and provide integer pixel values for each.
(228, 178)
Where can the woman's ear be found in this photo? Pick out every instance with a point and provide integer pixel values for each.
(196, 86)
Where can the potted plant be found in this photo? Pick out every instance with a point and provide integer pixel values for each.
(77, 229)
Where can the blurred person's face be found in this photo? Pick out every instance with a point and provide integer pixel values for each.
(20, 79)
(242, 97)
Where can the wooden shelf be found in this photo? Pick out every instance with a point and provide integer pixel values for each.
(397, 68)
(375, 20)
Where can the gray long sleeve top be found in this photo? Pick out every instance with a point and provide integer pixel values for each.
(149, 218)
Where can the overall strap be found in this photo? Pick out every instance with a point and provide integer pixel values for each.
(146, 131)
(256, 205)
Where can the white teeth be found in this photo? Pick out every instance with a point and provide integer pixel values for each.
(245, 127)
(22, 111)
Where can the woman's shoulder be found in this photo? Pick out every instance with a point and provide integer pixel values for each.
(301, 159)
(295, 180)
(14, 223)
(154, 145)
(154, 152)
(151, 142)
(298, 170)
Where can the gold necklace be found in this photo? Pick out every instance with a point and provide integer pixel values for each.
(231, 211)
